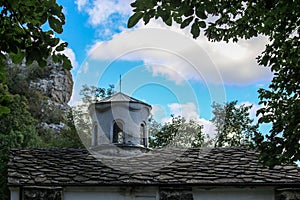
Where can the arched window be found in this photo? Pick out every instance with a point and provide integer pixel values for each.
(118, 132)
(143, 134)
(95, 134)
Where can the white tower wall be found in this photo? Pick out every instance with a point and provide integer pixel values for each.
(130, 114)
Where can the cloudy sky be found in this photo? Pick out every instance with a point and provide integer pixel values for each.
(161, 65)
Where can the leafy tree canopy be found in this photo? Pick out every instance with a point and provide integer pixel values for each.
(223, 20)
(91, 94)
(5, 99)
(233, 124)
(233, 128)
(27, 29)
(17, 129)
(177, 133)
(22, 33)
(81, 116)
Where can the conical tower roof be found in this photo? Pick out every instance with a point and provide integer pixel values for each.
(121, 97)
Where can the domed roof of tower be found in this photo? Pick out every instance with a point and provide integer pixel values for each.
(121, 97)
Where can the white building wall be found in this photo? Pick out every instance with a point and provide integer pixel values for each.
(92, 196)
(152, 193)
(111, 193)
(260, 193)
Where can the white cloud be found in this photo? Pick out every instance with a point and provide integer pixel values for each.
(236, 61)
(157, 48)
(84, 68)
(71, 55)
(100, 11)
(178, 57)
(81, 4)
(233, 63)
(178, 76)
(189, 112)
(158, 112)
(156, 109)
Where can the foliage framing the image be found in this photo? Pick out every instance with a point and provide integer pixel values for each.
(17, 129)
(22, 127)
(25, 36)
(22, 35)
(27, 29)
(224, 20)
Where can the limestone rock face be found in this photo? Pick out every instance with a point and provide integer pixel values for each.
(57, 86)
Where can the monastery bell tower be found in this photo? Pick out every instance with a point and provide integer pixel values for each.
(120, 121)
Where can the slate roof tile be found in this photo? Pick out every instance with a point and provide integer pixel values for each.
(196, 166)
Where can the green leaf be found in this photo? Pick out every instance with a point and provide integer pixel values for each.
(186, 22)
(61, 47)
(159, 12)
(66, 63)
(188, 11)
(55, 24)
(166, 15)
(53, 42)
(4, 110)
(202, 24)
(13, 48)
(177, 17)
(17, 58)
(13, 4)
(195, 30)
(134, 4)
(169, 21)
(201, 13)
(148, 16)
(134, 19)
(55, 58)
(43, 19)
(42, 62)
(2, 57)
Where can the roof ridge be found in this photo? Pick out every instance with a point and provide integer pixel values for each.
(127, 98)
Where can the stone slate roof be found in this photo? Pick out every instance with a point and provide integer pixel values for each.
(194, 166)
(121, 97)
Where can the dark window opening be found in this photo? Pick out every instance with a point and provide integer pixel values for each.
(118, 133)
(41, 193)
(172, 193)
(143, 135)
(95, 135)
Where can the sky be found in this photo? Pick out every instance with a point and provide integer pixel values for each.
(158, 64)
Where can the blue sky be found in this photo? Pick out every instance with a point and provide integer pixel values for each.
(161, 65)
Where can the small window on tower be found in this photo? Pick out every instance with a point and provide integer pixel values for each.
(95, 135)
(143, 135)
(118, 133)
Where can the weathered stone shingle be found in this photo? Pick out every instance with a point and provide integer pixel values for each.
(194, 166)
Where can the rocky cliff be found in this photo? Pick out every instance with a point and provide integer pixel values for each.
(48, 90)
(57, 85)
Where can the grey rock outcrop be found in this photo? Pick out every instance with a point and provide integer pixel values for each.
(54, 84)
(57, 86)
